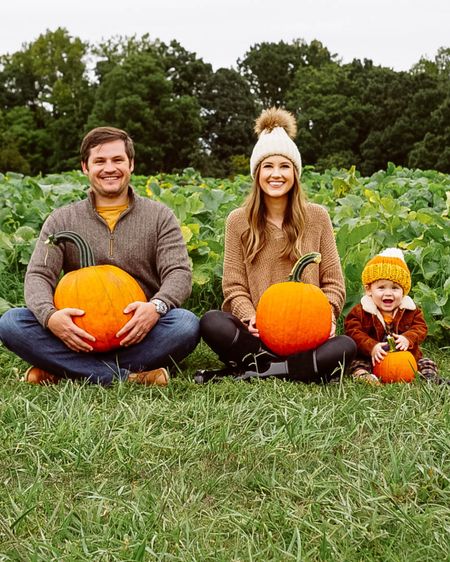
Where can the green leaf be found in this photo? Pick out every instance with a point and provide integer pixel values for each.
(361, 233)
(4, 305)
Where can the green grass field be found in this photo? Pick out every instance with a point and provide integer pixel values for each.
(224, 472)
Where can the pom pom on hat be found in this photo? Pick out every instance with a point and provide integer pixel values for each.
(276, 128)
(390, 264)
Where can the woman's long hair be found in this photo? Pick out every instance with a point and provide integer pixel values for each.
(293, 222)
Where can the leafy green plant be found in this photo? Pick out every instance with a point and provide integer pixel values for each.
(394, 207)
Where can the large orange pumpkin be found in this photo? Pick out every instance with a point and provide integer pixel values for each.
(293, 316)
(102, 291)
(397, 366)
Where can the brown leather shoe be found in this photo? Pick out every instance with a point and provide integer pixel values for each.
(158, 377)
(34, 375)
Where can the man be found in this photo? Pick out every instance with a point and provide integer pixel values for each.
(134, 233)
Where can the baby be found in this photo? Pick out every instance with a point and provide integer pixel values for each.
(387, 310)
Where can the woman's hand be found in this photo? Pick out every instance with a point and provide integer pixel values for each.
(252, 327)
(333, 326)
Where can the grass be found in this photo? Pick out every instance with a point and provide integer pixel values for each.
(223, 472)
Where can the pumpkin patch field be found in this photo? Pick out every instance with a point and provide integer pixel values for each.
(396, 207)
(247, 471)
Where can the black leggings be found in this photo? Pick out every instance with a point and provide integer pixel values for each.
(230, 338)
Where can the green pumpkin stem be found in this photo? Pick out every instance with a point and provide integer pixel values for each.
(391, 343)
(301, 263)
(86, 254)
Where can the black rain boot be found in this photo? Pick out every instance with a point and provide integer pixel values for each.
(277, 369)
(238, 360)
(300, 368)
(203, 376)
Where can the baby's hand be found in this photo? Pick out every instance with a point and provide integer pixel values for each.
(378, 353)
(401, 343)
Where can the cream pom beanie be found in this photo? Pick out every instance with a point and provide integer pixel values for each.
(275, 128)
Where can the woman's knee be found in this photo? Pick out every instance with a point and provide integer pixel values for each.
(348, 347)
(210, 321)
(217, 327)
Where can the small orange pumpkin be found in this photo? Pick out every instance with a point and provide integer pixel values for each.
(397, 366)
(102, 291)
(293, 316)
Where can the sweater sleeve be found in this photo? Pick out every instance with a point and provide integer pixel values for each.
(43, 272)
(417, 331)
(237, 299)
(331, 277)
(354, 329)
(172, 262)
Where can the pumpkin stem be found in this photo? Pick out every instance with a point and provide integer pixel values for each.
(86, 254)
(301, 263)
(391, 343)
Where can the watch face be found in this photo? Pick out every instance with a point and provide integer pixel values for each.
(161, 307)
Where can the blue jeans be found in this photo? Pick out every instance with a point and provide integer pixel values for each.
(174, 336)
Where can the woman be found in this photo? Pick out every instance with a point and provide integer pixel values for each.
(263, 240)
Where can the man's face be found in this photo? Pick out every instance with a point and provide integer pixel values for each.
(109, 172)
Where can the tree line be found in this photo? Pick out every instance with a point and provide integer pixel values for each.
(181, 113)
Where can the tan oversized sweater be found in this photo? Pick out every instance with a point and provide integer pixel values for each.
(244, 283)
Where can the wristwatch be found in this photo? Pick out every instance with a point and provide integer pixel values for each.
(161, 306)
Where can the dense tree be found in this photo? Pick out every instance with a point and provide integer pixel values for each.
(229, 112)
(187, 73)
(22, 142)
(136, 95)
(401, 108)
(331, 120)
(271, 67)
(433, 150)
(181, 113)
(49, 78)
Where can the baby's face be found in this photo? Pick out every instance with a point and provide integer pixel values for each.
(386, 294)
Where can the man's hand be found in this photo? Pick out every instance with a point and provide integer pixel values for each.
(143, 320)
(61, 324)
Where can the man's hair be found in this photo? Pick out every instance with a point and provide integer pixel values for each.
(102, 135)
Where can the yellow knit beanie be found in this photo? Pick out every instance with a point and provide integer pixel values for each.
(390, 264)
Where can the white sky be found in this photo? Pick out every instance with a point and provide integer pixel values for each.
(392, 33)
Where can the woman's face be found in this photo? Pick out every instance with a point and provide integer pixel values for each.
(276, 176)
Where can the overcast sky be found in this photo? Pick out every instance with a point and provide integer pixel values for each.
(392, 33)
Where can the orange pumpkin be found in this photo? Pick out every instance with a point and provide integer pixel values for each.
(397, 366)
(293, 316)
(102, 291)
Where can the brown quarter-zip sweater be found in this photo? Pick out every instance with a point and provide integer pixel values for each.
(146, 242)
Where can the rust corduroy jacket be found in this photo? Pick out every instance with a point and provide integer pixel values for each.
(364, 323)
